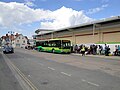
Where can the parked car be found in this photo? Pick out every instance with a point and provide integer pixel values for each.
(7, 49)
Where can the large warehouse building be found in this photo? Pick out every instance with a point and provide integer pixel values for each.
(102, 31)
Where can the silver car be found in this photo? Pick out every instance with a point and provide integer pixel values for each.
(7, 49)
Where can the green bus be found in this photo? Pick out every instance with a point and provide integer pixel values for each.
(54, 46)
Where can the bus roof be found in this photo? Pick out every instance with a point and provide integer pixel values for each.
(52, 39)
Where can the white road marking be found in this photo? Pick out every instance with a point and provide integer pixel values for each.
(41, 64)
(83, 80)
(51, 68)
(29, 76)
(94, 84)
(66, 74)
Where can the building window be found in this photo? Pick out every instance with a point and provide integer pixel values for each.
(19, 37)
(17, 40)
(13, 42)
(24, 41)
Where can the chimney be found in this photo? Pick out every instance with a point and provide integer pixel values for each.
(6, 35)
(17, 35)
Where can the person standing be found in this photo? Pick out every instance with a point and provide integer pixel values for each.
(107, 50)
(76, 48)
(83, 50)
(100, 49)
(116, 50)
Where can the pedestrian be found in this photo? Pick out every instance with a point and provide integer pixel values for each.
(116, 50)
(100, 49)
(76, 48)
(83, 50)
(94, 49)
(107, 50)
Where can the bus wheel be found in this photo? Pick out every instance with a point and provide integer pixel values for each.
(40, 49)
(53, 51)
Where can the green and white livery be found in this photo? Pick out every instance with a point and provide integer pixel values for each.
(54, 46)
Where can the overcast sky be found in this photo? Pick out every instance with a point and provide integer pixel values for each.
(25, 16)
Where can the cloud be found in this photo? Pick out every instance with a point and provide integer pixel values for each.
(98, 9)
(15, 14)
(18, 13)
(29, 3)
(66, 17)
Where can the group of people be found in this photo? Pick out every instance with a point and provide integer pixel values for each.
(92, 49)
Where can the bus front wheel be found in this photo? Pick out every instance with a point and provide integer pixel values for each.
(40, 49)
(53, 51)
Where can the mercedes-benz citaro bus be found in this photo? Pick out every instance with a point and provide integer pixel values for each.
(54, 45)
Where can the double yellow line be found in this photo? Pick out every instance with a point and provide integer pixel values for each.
(24, 77)
(28, 82)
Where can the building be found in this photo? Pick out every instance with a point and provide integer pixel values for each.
(5, 40)
(31, 42)
(0, 41)
(106, 31)
(20, 41)
(101, 31)
(17, 41)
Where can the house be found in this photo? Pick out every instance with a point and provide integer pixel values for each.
(19, 41)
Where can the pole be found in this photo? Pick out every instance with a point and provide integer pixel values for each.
(52, 35)
(93, 30)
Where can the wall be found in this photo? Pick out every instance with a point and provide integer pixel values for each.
(105, 32)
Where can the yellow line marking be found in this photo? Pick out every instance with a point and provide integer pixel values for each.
(23, 76)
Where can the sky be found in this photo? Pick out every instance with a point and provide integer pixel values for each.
(26, 16)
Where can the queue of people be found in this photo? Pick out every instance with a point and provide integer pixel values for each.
(96, 50)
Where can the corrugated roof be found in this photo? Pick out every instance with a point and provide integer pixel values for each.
(84, 24)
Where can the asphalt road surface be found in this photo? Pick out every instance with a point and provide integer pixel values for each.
(34, 70)
(7, 79)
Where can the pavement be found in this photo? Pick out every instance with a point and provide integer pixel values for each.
(90, 55)
(99, 56)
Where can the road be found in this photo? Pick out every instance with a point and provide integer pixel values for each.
(46, 71)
